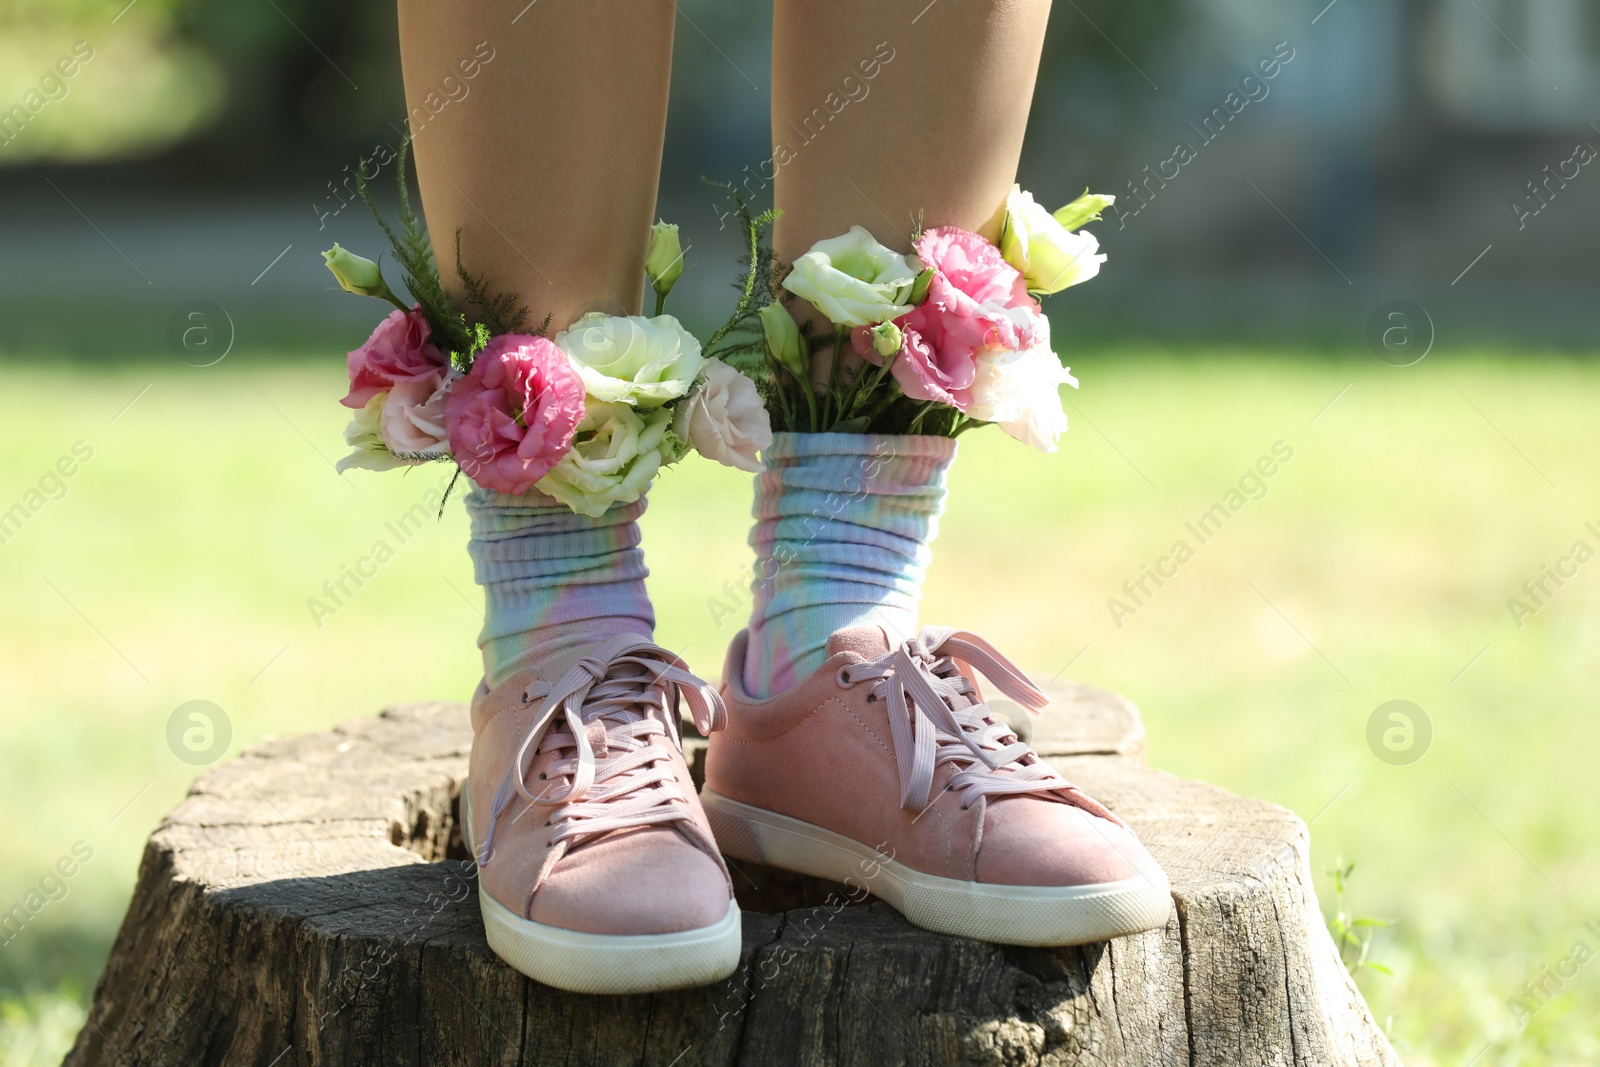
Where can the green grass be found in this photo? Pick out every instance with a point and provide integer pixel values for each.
(1377, 565)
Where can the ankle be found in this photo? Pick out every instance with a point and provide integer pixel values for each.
(554, 581)
(844, 525)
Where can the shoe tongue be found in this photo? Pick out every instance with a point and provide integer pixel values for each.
(868, 642)
(598, 740)
(554, 668)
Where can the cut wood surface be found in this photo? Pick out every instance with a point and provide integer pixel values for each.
(309, 903)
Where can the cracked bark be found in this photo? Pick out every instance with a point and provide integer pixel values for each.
(245, 944)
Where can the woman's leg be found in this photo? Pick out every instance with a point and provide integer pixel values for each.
(938, 103)
(548, 169)
(843, 524)
(937, 135)
(549, 166)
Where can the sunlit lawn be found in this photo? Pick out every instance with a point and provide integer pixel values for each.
(1376, 565)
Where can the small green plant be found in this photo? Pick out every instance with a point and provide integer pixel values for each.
(1353, 935)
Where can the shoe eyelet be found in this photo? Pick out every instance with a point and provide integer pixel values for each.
(843, 678)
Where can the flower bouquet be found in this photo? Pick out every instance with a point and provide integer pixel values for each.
(587, 417)
(936, 342)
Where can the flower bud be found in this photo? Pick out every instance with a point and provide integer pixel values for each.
(663, 260)
(784, 340)
(1083, 210)
(355, 274)
(919, 287)
(886, 339)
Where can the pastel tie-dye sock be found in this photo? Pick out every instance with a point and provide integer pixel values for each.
(553, 580)
(843, 527)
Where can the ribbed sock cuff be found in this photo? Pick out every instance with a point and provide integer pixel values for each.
(842, 534)
(553, 580)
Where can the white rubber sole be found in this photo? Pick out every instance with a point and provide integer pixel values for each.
(607, 963)
(1006, 914)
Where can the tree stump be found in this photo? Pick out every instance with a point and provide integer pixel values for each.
(310, 903)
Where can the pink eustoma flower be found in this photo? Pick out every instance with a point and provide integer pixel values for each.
(513, 416)
(976, 302)
(398, 351)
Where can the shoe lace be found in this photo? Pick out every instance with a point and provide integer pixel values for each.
(935, 718)
(622, 696)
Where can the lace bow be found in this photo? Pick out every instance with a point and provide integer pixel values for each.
(921, 681)
(624, 696)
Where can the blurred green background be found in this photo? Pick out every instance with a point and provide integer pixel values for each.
(197, 156)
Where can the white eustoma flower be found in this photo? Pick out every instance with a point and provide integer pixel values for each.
(364, 435)
(854, 280)
(724, 419)
(1049, 256)
(1021, 392)
(631, 359)
(615, 452)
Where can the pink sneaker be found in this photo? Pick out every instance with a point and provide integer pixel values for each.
(597, 872)
(885, 770)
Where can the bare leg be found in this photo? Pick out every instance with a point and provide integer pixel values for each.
(939, 132)
(885, 113)
(549, 165)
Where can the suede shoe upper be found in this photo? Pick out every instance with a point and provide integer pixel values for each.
(892, 746)
(583, 813)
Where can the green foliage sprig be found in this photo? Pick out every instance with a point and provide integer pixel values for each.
(740, 342)
(1351, 934)
(415, 254)
(501, 312)
(454, 332)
